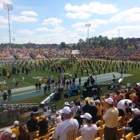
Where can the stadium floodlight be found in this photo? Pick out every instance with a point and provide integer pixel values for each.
(88, 25)
(8, 7)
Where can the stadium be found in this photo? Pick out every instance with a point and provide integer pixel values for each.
(87, 89)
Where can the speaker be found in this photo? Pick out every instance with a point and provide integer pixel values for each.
(84, 93)
(89, 88)
(57, 96)
(60, 89)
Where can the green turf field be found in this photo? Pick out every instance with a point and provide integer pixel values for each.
(32, 77)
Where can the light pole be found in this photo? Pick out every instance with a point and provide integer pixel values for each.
(8, 7)
(88, 25)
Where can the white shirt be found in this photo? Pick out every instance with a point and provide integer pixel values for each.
(88, 133)
(74, 110)
(48, 113)
(58, 119)
(121, 104)
(66, 130)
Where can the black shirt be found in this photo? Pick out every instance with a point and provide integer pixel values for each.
(92, 110)
(43, 127)
(135, 124)
(20, 138)
(32, 125)
(79, 119)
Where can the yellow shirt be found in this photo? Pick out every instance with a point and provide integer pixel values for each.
(132, 96)
(45, 80)
(111, 117)
(105, 105)
(15, 130)
(2, 87)
(99, 112)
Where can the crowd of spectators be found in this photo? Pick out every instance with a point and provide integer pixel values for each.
(116, 115)
(135, 56)
(100, 52)
(40, 53)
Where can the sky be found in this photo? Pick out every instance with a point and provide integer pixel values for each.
(56, 21)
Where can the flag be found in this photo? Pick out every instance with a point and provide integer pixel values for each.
(15, 71)
(25, 70)
(6, 73)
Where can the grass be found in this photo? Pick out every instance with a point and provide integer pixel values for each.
(29, 80)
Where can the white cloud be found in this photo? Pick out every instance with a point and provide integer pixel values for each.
(52, 21)
(3, 20)
(125, 31)
(89, 9)
(29, 13)
(3, 26)
(26, 32)
(130, 15)
(80, 26)
(4, 1)
(78, 15)
(44, 29)
(23, 19)
(58, 29)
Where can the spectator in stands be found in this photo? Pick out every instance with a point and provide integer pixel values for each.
(67, 128)
(24, 135)
(92, 110)
(132, 94)
(124, 106)
(7, 134)
(103, 101)
(74, 108)
(88, 130)
(32, 126)
(134, 124)
(15, 129)
(78, 118)
(58, 118)
(52, 122)
(110, 119)
(99, 108)
(43, 126)
(85, 107)
(116, 97)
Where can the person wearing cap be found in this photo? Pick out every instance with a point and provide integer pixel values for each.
(110, 118)
(134, 124)
(43, 125)
(32, 126)
(99, 108)
(124, 106)
(15, 129)
(7, 134)
(68, 128)
(88, 130)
